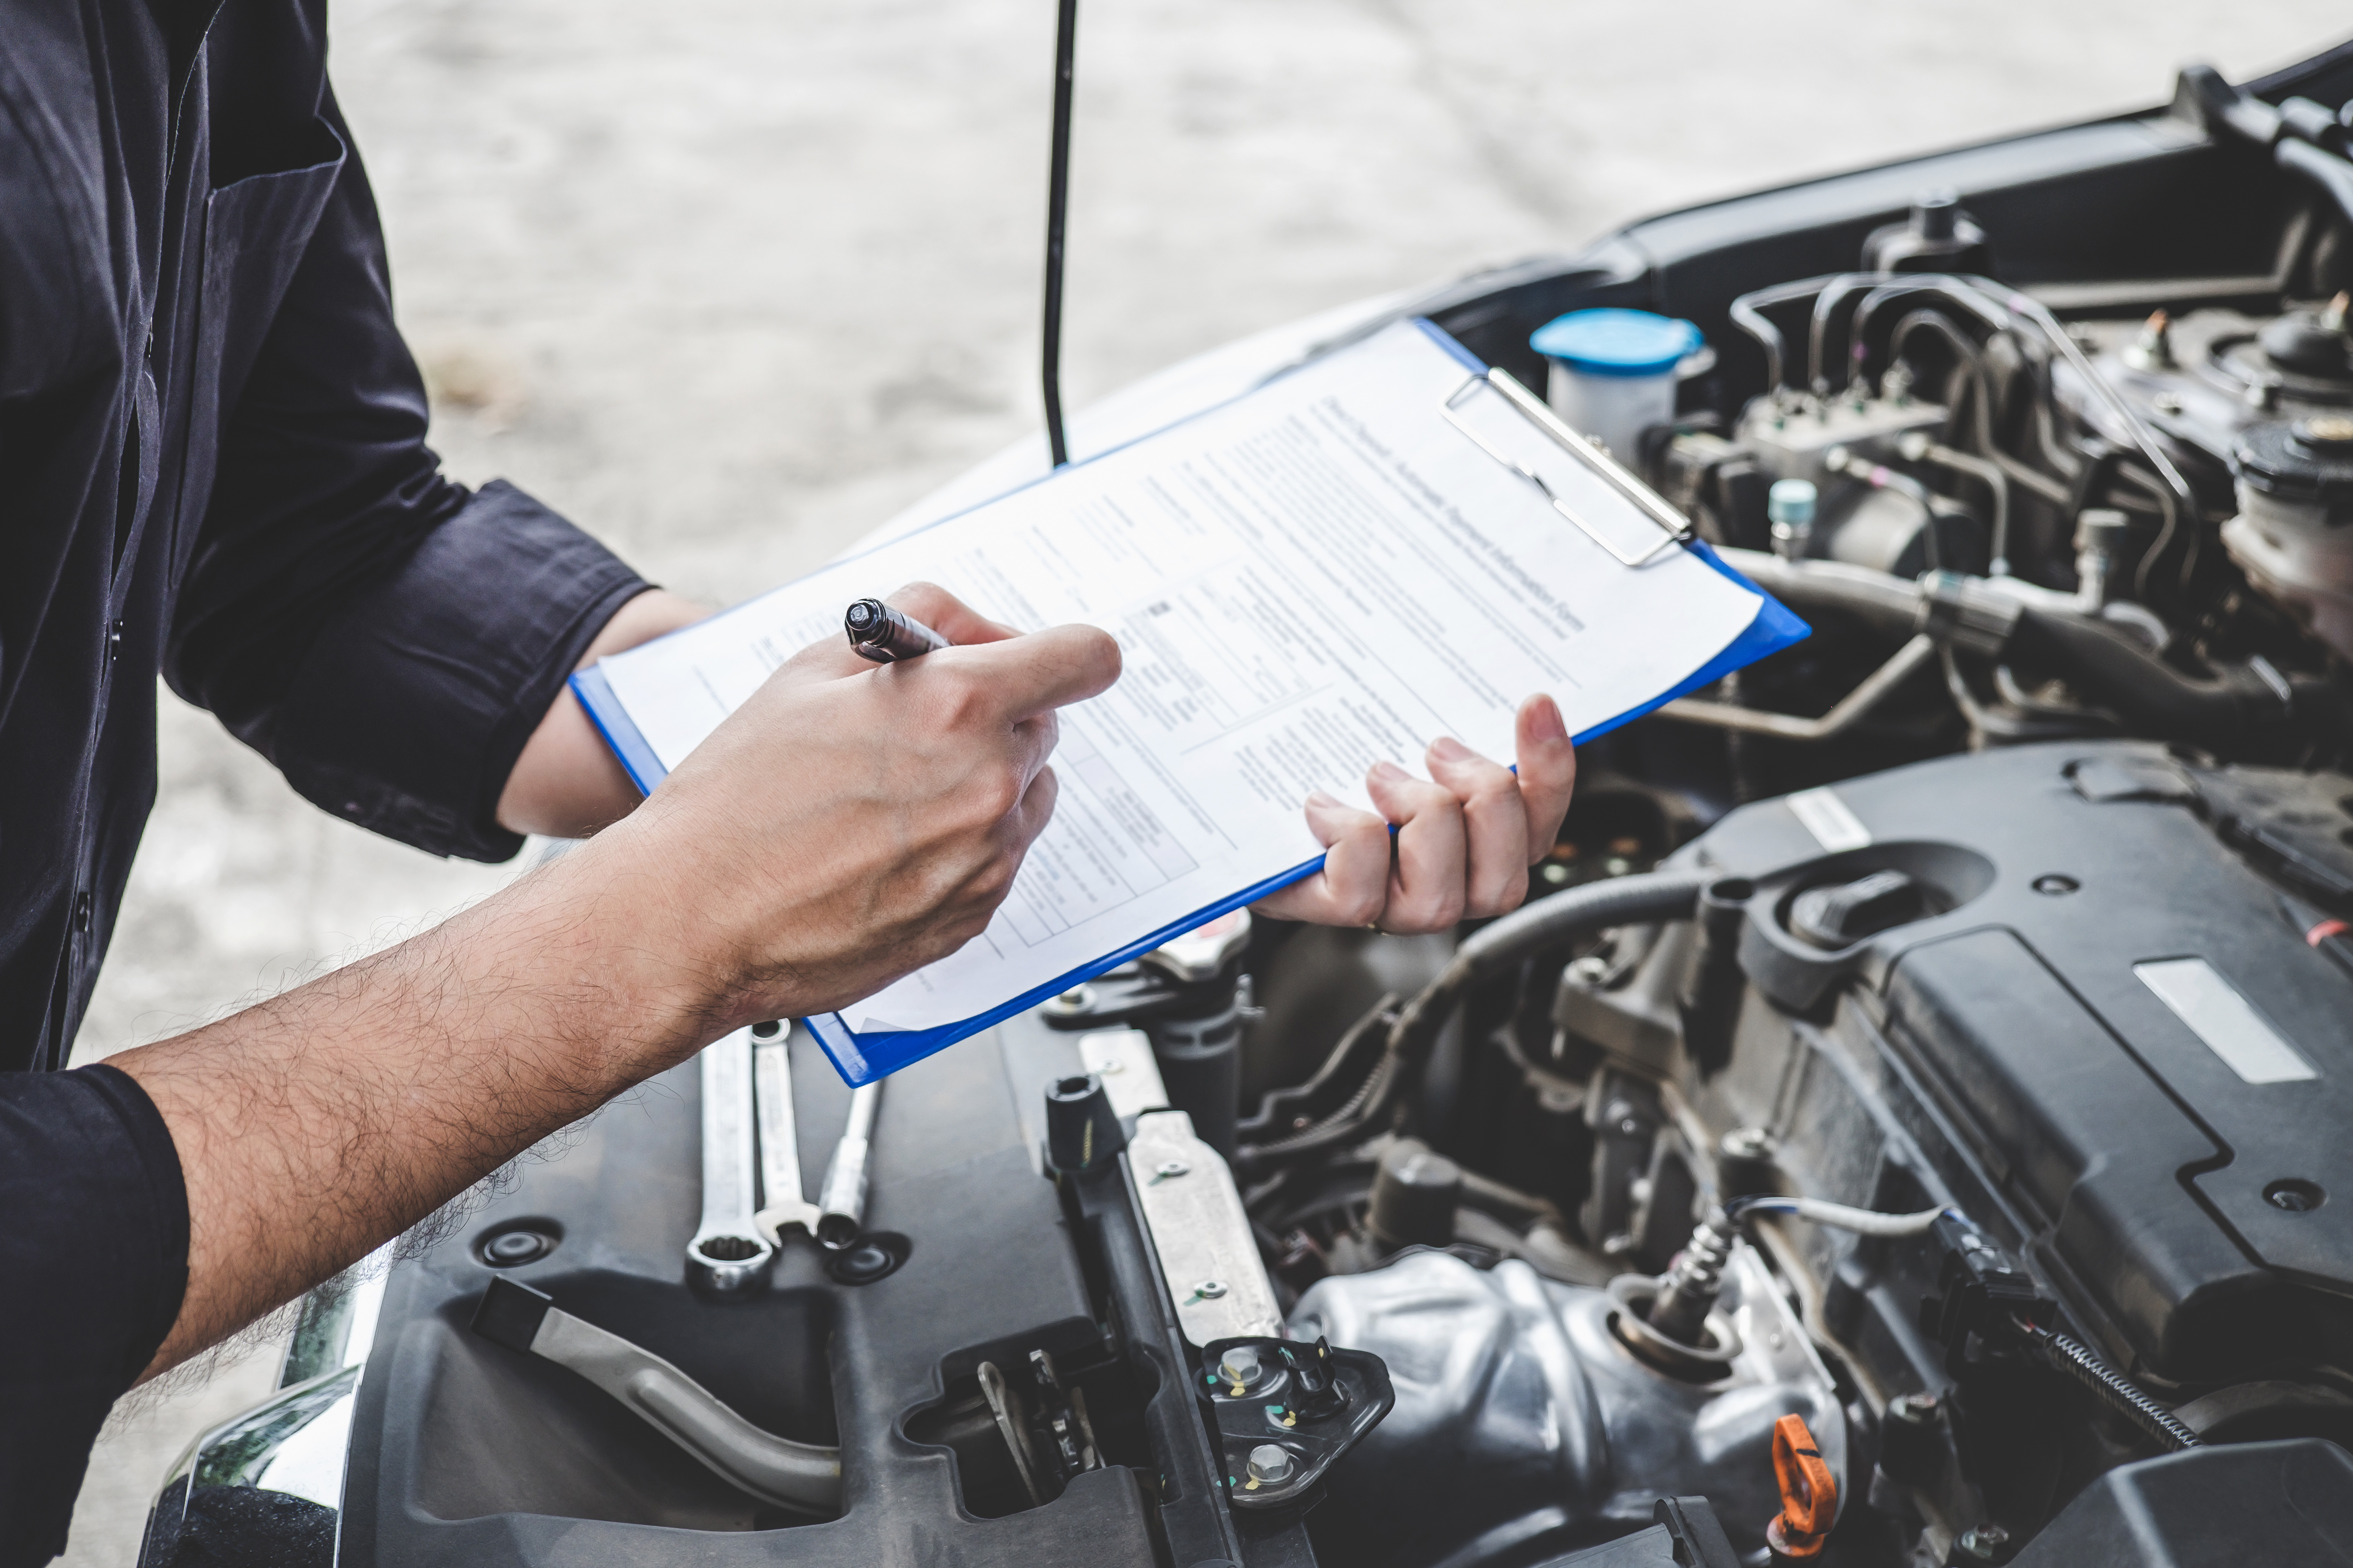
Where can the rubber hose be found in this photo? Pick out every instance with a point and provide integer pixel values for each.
(1888, 603)
(2079, 1362)
(1646, 899)
(2114, 672)
(2152, 696)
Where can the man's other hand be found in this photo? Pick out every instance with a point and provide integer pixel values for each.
(1465, 838)
(853, 822)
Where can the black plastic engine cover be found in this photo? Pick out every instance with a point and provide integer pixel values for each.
(465, 1452)
(2211, 1508)
(2197, 1213)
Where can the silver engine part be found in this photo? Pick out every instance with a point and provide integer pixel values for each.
(1520, 1407)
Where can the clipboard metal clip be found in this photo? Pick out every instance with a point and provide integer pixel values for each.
(1678, 528)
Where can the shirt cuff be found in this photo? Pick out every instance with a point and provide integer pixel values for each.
(94, 1266)
(411, 707)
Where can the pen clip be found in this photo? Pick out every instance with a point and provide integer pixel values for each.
(1604, 467)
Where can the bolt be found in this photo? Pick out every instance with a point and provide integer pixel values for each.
(1240, 1365)
(1209, 1290)
(1169, 1170)
(1986, 1542)
(1271, 1464)
(514, 1248)
(1749, 1143)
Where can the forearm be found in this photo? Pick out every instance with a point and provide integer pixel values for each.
(567, 784)
(314, 1127)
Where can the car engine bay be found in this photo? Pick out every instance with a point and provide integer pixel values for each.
(1896, 1132)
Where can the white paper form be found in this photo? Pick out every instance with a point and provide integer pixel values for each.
(1321, 576)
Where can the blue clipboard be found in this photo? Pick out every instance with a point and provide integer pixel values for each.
(862, 1059)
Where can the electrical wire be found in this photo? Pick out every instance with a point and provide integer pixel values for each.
(2063, 1353)
(1840, 1216)
(2111, 1388)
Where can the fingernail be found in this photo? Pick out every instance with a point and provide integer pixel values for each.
(1319, 801)
(1388, 772)
(1545, 722)
(1447, 749)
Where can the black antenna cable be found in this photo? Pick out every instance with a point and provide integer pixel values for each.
(1058, 201)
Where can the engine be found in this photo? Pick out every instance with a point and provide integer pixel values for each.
(1933, 1037)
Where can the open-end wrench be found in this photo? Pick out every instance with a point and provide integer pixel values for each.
(782, 1205)
(728, 1255)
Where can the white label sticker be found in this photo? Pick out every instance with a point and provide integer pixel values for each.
(1822, 814)
(2226, 1021)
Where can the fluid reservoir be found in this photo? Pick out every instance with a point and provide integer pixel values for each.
(2293, 533)
(1613, 372)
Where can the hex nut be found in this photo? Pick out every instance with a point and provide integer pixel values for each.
(1271, 1464)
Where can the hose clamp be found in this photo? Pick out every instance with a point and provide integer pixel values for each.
(1963, 614)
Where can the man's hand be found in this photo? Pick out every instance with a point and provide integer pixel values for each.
(898, 801)
(1464, 839)
(847, 824)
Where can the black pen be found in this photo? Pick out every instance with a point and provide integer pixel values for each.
(885, 636)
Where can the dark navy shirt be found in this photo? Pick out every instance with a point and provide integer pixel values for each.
(212, 464)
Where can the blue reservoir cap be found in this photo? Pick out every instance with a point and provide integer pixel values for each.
(1790, 501)
(1616, 343)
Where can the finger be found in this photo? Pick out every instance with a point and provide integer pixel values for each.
(1034, 741)
(832, 658)
(1426, 883)
(1037, 672)
(1495, 827)
(827, 658)
(1028, 819)
(1354, 882)
(1547, 772)
(972, 901)
(947, 615)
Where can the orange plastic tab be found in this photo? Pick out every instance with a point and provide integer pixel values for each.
(1809, 1491)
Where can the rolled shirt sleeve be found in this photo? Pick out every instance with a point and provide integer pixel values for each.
(410, 708)
(384, 635)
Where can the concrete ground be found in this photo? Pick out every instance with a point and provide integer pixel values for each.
(731, 283)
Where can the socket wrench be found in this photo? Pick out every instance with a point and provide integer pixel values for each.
(841, 1199)
(728, 1255)
(782, 1205)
